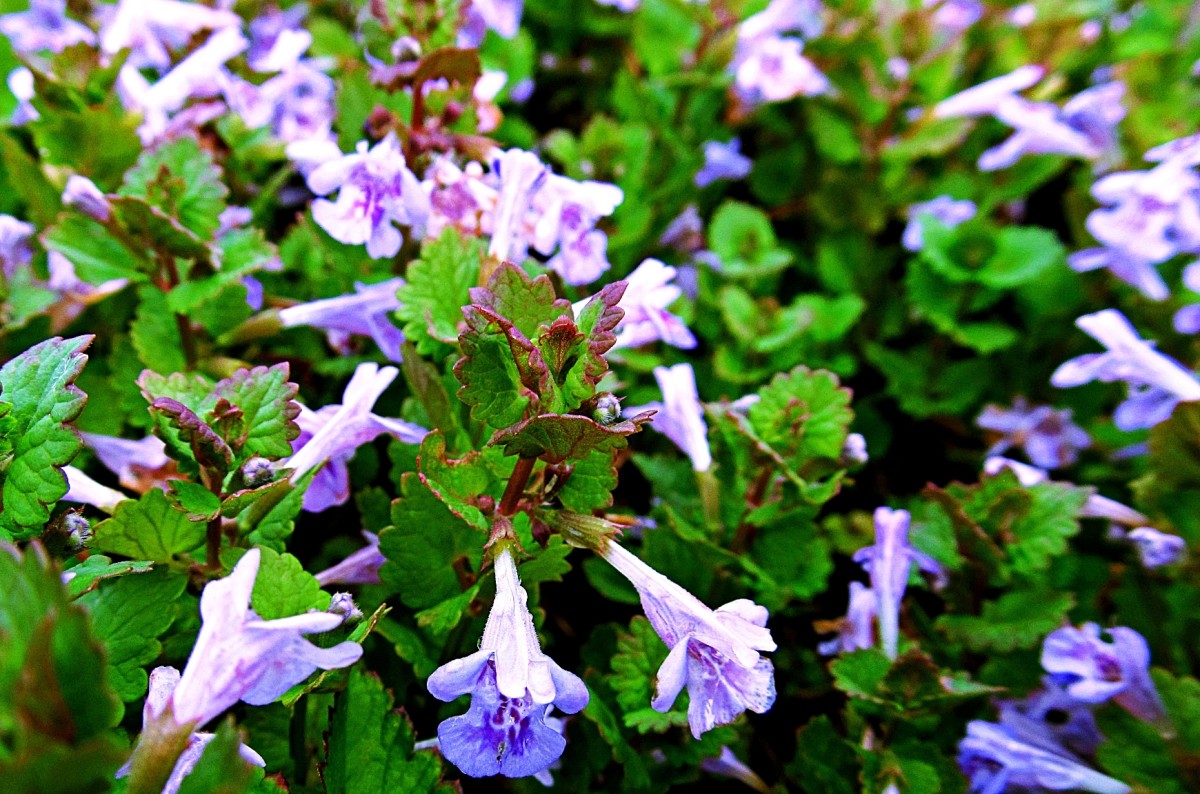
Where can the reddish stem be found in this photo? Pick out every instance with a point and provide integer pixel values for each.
(516, 486)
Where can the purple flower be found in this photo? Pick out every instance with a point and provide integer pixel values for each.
(1157, 549)
(685, 233)
(1187, 319)
(648, 294)
(20, 83)
(1053, 720)
(163, 681)
(723, 161)
(1131, 268)
(1093, 670)
(1050, 438)
(995, 759)
(716, 654)
(84, 490)
(502, 16)
(152, 28)
(857, 629)
(366, 312)
(296, 104)
(955, 16)
(335, 432)
(727, 764)
(83, 194)
(134, 462)
(1156, 381)
(276, 40)
(888, 563)
(680, 415)
(802, 17)
(512, 686)
(240, 656)
(45, 26)
(943, 209)
(459, 197)
(987, 97)
(1096, 506)
(361, 567)
(374, 188)
(772, 69)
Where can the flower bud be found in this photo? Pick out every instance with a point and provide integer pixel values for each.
(343, 604)
(82, 194)
(608, 409)
(257, 471)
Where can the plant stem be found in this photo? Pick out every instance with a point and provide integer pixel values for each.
(516, 486)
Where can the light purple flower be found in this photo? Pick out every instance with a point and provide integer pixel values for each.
(16, 251)
(648, 294)
(521, 174)
(335, 432)
(1157, 549)
(277, 39)
(987, 97)
(83, 194)
(944, 209)
(888, 563)
(131, 461)
(375, 189)
(857, 629)
(1187, 319)
(1052, 720)
(512, 686)
(20, 83)
(366, 312)
(723, 161)
(84, 490)
(680, 415)
(624, 6)
(460, 198)
(152, 28)
(502, 16)
(994, 759)
(685, 233)
(1049, 437)
(773, 69)
(727, 764)
(297, 104)
(715, 653)
(1133, 269)
(1093, 670)
(361, 567)
(955, 16)
(45, 26)
(1096, 506)
(1156, 381)
(240, 656)
(163, 681)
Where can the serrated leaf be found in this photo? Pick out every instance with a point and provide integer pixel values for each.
(162, 233)
(40, 386)
(457, 483)
(421, 546)
(155, 334)
(269, 409)
(803, 414)
(241, 252)
(181, 179)
(193, 440)
(148, 529)
(1022, 254)
(590, 483)
(97, 256)
(526, 303)
(861, 673)
(436, 288)
(97, 568)
(283, 588)
(491, 382)
(192, 498)
(440, 618)
(1135, 753)
(640, 652)
(550, 564)
(270, 519)
(129, 615)
(1017, 619)
(555, 438)
(370, 745)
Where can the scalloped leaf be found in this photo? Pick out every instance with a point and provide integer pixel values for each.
(40, 386)
(555, 438)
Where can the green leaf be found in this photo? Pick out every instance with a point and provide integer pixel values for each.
(550, 564)
(1135, 753)
(189, 439)
(181, 179)
(39, 384)
(148, 529)
(740, 233)
(1017, 619)
(422, 545)
(269, 409)
(221, 768)
(440, 618)
(129, 614)
(824, 760)
(56, 707)
(526, 303)
(555, 438)
(640, 652)
(192, 498)
(97, 256)
(457, 483)
(240, 252)
(860, 674)
(491, 383)
(1022, 255)
(370, 745)
(589, 485)
(97, 568)
(436, 288)
(803, 414)
(272, 517)
(283, 588)
(631, 762)
(159, 231)
(155, 333)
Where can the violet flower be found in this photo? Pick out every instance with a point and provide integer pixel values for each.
(727, 764)
(680, 415)
(1093, 670)
(1049, 437)
(944, 209)
(277, 39)
(987, 97)
(16, 251)
(888, 563)
(648, 294)
(20, 83)
(1096, 506)
(84, 490)
(1157, 549)
(240, 656)
(723, 161)
(1187, 319)
(1156, 382)
(715, 653)
(163, 681)
(375, 189)
(773, 69)
(365, 312)
(521, 174)
(512, 686)
(685, 232)
(955, 16)
(132, 461)
(460, 198)
(1053, 720)
(994, 759)
(856, 630)
(335, 432)
(502, 16)
(45, 26)
(361, 567)
(83, 194)
(152, 28)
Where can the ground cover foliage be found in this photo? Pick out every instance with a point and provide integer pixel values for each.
(603, 396)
